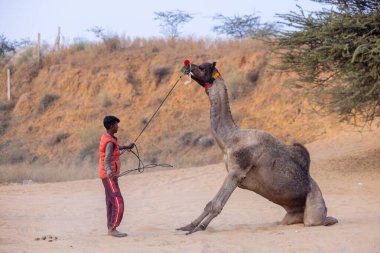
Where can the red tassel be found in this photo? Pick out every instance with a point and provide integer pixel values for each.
(186, 62)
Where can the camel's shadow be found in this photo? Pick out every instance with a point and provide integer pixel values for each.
(274, 227)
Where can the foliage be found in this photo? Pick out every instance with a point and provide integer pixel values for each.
(6, 46)
(240, 27)
(337, 52)
(170, 21)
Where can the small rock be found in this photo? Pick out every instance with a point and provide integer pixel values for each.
(28, 181)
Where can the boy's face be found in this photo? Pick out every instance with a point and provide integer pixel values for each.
(114, 128)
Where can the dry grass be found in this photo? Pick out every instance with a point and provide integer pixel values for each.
(17, 173)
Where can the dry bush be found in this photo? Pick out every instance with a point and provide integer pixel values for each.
(4, 124)
(58, 138)
(7, 106)
(204, 141)
(160, 72)
(14, 155)
(113, 43)
(187, 138)
(46, 101)
(131, 78)
(253, 77)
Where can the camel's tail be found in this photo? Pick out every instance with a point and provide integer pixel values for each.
(302, 157)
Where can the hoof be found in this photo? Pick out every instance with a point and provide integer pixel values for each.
(189, 227)
(200, 227)
(329, 221)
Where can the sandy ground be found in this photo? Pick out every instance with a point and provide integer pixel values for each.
(346, 167)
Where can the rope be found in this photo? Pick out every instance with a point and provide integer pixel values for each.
(154, 114)
(141, 165)
(140, 168)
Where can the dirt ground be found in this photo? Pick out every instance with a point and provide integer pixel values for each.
(346, 167)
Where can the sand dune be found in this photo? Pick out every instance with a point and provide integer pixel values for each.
(347, 168)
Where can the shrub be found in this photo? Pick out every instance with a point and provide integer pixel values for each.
(46, 101)
(3, 126)
(160, 72)
(253, 77)
(187, 138)
(7, 106)
(130, 78)
(18, 157)
(204, 141)
(58, 138)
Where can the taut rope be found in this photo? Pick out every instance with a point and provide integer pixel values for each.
(141, 165)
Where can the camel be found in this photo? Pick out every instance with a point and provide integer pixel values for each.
(258, 162)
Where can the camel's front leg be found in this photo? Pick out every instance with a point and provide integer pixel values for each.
(214, 207)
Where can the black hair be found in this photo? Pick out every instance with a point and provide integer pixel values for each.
(109, 121)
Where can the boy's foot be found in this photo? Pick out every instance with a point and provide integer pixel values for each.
(115, 233)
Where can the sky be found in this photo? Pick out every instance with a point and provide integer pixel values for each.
(22, 19)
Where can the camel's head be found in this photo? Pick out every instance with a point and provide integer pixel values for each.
(203, 74)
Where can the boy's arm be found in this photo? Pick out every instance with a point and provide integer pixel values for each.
(107, 159)
(129, 146)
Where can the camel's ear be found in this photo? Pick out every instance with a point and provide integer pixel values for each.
(213, 64)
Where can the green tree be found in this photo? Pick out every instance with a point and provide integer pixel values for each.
(336, 53)
(6, 46)
(240, 27)
(170, 21)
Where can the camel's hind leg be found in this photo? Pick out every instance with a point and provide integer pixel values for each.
(293, 216)
(315, 208)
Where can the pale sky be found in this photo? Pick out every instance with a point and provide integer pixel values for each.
(25, 18)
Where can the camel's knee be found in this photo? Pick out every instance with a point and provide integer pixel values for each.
(213, 208)
(216, 208)
(208, 207)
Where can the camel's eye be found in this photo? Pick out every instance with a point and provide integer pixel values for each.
(201, 67)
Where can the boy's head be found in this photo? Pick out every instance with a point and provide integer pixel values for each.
(110, 121)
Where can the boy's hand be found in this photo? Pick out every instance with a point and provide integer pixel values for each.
(130, 146)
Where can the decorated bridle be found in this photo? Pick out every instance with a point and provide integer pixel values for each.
(205, 85)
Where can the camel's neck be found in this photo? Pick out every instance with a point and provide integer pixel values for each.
(222, 124)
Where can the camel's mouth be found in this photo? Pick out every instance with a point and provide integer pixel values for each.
(186, 69)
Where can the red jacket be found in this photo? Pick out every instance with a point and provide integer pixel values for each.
(115, 158)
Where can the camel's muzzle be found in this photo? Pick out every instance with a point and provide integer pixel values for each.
(186, 69)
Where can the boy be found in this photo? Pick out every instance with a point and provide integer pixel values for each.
(109, 170)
